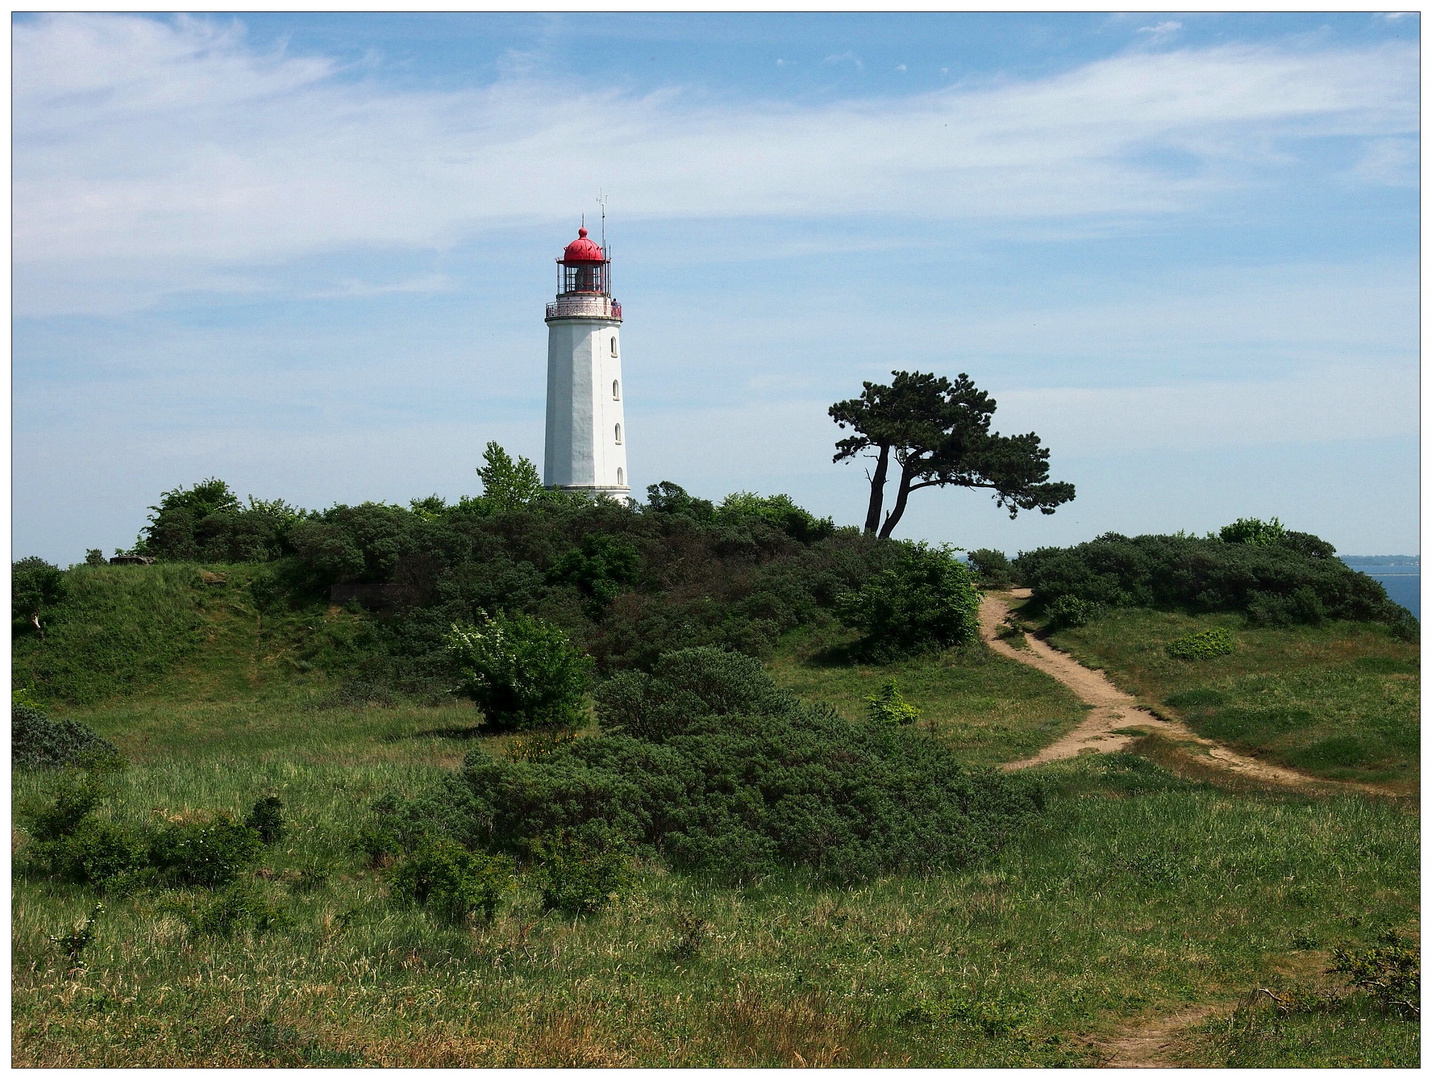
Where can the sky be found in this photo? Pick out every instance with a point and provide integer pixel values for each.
(308, 254)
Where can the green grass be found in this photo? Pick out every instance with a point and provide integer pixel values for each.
(1339, 700)
(994, 709)
(1137, 895)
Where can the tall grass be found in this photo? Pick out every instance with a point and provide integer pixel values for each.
(1133, 896)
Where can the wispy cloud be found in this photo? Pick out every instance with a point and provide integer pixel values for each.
(152, 154)
(1161, 31)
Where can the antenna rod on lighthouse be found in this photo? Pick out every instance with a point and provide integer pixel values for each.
(602, 202)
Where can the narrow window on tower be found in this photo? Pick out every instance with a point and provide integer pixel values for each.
(616, 390)
(620, 481)
(614, 344)
(619, 434)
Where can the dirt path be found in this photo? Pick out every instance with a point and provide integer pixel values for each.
(1112, 710)
(1145, 1045)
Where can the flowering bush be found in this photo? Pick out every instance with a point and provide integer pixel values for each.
(521, 672)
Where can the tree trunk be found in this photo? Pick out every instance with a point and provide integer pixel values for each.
(877, 490)
(897, 511)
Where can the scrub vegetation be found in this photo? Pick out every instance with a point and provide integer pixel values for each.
(258, 828)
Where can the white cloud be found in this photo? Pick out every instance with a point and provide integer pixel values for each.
(153, 155)
(1161, 31)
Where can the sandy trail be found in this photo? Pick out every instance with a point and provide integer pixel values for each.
(1113, 709)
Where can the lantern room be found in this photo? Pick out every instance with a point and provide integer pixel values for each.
(583, 268)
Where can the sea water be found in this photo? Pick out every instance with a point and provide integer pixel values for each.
(1400, 575)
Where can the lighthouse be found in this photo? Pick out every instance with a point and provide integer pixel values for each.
(586, 431)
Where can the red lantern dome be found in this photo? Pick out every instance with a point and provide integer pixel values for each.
(582, 250)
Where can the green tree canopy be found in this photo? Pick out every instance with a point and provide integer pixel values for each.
(938, 434)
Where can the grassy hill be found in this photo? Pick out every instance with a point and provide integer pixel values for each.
(1138, 895)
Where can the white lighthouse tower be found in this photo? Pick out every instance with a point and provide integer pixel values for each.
(586, 431)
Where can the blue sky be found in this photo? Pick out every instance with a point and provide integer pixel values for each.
(308, 254)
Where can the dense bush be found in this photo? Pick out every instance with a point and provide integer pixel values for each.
(204, 853)
(521, 673)
(925, 602)
(579, 870)
(739, 792)
(454, 884)
(1202, 645)
(34, 586)
(1390, 971)
(1069, 611)
(687, 684)
(70, 844)
(1272, 577)
(208, 523)
(37, 742)
(991, 568)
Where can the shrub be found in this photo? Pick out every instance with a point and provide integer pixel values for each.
(236, 907)
(96, 853)
(1252, 531)
(927, 601)
(95, 557)
(204, 853)
(34, 586)
(1290, 578)
(579, 871)
(685, 685)
(37, 742)
(991, 568)
(522, 673)
(739, 793)
(778, 511)
(454, 884)
(888, 707)
(266, 819)
(1070, 611)
(1203, 645)
(1390, 971)
(602, 567)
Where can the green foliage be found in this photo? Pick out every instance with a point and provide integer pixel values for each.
(452, 883)
(926, 602)
(37, 742)
(1202, 644)
(601, 567)
(204, 853)
(991, 568)
(1252, 531)
(266, 819)
(669, 498)
(35, 585)
(1067, 611)
(737, 794)
(937, 433)
(1278, 580)
(1390, 971)
(580, 871)
(208, 523)
(95, 557)
(683, 685)
(888, 707)
(508, 485)
(778, 511)
(521, 672)
(238, 906)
